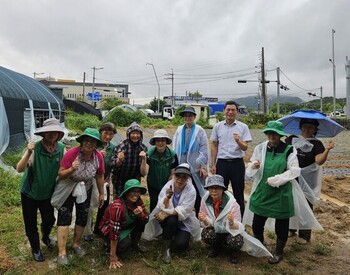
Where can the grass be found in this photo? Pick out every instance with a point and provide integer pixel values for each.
(322, 250)
(16, 258)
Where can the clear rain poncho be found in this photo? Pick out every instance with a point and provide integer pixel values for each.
(310, 179)
(304, 217)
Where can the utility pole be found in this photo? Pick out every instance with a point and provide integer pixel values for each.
(278, 89)
(333, 62)
(172, 86)
(321, 99)
(347, 77)
(84, 75)
(263, 87)
(94, 69)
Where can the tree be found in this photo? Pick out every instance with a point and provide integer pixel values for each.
(153, 105)
(110, 103)
(195, 94)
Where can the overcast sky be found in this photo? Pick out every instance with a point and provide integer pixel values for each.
(209, 44)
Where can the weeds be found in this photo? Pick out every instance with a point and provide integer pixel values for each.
(322, 250)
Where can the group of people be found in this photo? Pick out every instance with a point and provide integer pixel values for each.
(187, 186)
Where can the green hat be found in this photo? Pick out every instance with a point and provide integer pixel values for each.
(90, 132)
(133, 183)
(275, 126)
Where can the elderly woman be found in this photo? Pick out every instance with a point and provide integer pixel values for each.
(219, 210)
(124, 221)
(273, 165)
(174, 215)
(311, 154)
(40, 162)
(107, 132)
(79, 167)
(162, 162)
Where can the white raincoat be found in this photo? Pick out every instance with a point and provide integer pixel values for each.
(304, 217)
(310, 179)
(198, 153)
(250, 244)
(184, 210)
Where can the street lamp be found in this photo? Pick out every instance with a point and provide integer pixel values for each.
(35, 74)
(93, 83)
(155, 74)
(333, 63)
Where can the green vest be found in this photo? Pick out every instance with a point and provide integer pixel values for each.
(109, 151)
(39, 179)
(273, 202)
(159, 167)
(129, 223)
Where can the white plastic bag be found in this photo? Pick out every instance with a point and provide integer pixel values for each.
(80, 192)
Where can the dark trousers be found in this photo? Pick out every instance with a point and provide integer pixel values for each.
(197, 203)
(30, 211)
(179, 238)
(234, 171)
(81, 211)
(281, 228)
(101, 212)
(210, 237)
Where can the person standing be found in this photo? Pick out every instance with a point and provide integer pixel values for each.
(107, 132)
(162, 162)
(80, 166)
(190, 143)
(40, 164)
(128, 159)
(311, 154)
(273, 166)
(229, 141)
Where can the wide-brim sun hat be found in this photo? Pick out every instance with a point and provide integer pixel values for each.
(90, 132)
(133, 183)
(274, 126)
(183, 168)
(188, 109)
(161, 133)
(50, 125)
(215, 180)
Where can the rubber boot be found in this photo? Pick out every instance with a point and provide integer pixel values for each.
(166, 256)
(278, 255)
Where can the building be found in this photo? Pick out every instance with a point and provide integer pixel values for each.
(82, 91)
(24, 104)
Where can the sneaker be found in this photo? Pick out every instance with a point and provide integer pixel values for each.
(140, 248)
(49, 242)
(302, 241)
(62, 260)
(213, 252)
(79, 250)
(88, 238)
(234, 257)
(38, 256)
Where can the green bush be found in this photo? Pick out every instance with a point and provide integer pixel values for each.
(12, 157)
(9, 191)
(79, 122)
(123, 118)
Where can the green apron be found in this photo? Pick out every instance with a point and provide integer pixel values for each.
(129, 224)
(273, 202)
